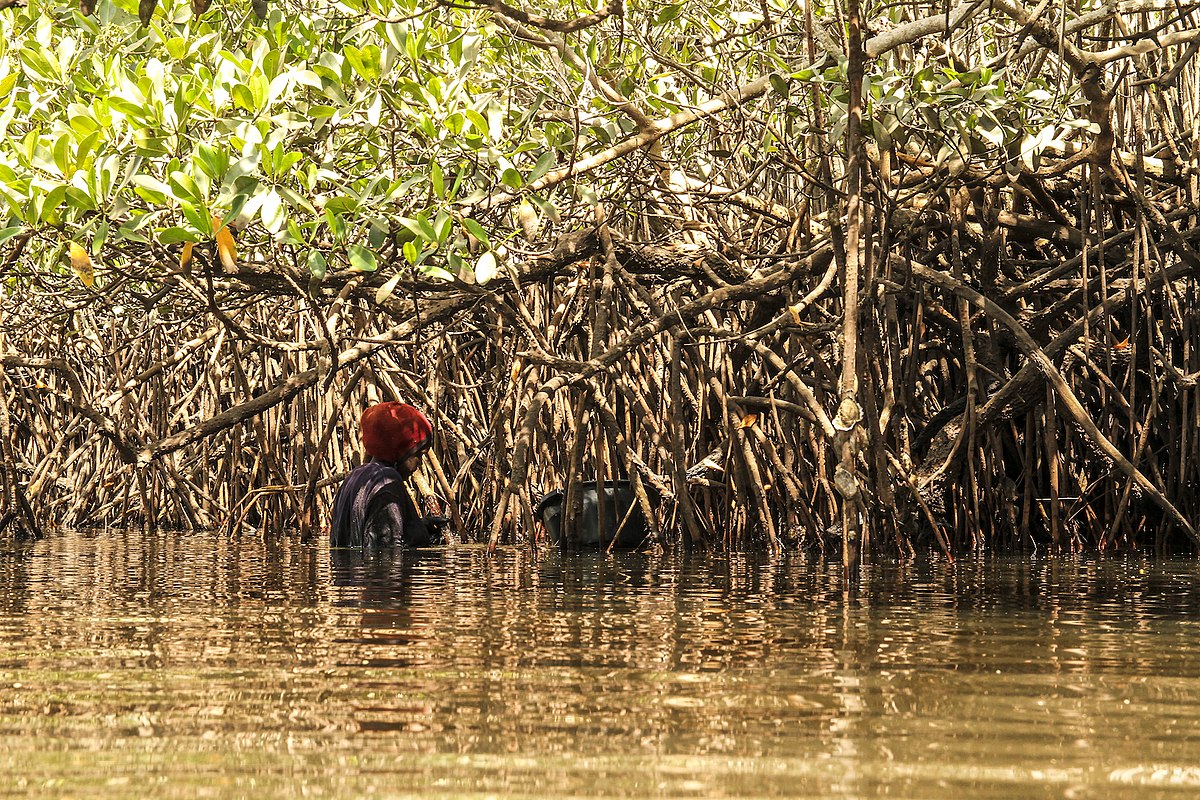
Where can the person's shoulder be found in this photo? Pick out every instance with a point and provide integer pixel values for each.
(377, 470)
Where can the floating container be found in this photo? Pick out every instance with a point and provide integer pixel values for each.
(623, 517)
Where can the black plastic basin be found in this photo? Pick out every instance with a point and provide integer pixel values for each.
(623, 518)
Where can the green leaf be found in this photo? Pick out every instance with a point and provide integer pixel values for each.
(8, 233)
(148, 143)
(62, 155)
(337, 225)
(486, 268)
(317, 264)
(420, 227)
(361, 258)
(384, 292)
(341, 205)
(37, 61)
(366, 62)
(86, 144)
(543, 165)
(438, 180)
(212, 161)
(548, 209)
(259, 87)
(151, 189)
(199, 217)
(668, 13)
(54, 200)
(378, 233)
(372, 62)
(477, 121)
(78, 198)
(437, 273)
(185, 189)
(272, 212)
(243, 97)
(127, 107)
(442, 225)
(288, 161)
(476, 230)
(174, 235)
(881, 134)
(130, 230)
(354, 56)
(235, 208)
(779, 85)
(511, 178)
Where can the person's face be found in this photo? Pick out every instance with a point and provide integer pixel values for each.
(411, 463)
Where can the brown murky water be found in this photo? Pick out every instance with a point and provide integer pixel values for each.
(182, 666)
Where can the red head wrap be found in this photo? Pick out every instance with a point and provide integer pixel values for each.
(394, 431)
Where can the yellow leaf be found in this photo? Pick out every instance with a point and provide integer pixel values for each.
(81, 265)
(1121, 345)
(226, 249)
(185, 260)
(515, 372)
(795, 312)
(747, 421)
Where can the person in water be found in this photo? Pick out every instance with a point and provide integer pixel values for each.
(373, 507)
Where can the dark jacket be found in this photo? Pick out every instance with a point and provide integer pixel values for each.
(374, 509)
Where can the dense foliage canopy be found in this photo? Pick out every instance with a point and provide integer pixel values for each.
(356, 133)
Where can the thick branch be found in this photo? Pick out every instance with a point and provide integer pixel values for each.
(1045, 34)
(911, 31)
(1147, 45)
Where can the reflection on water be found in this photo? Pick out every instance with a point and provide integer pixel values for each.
(195, 666)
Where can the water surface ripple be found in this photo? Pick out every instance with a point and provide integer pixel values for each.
(189, 665)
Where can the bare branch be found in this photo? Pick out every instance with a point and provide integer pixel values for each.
(1147, 45)
(544, 23)
(912, 31)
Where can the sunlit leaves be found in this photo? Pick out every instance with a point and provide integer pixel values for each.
(367, 61)
(1032, 146)
(367, 135)
(420, 227)
(173, 235)
(185, 189)
(476, 231)
(543, 165)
